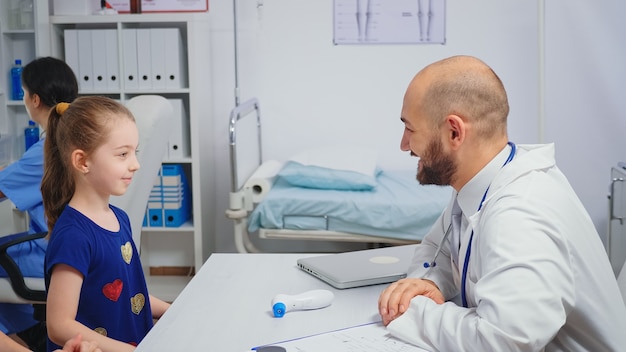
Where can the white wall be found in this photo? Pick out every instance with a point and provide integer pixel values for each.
(314, 93)
(585, 80)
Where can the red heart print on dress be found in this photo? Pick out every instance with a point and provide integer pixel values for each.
(113, 290)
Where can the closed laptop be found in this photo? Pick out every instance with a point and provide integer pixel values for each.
(360, 268)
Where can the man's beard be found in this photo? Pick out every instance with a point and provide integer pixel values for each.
(437, 167)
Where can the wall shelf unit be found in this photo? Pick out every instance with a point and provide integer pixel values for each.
(24, 43)
(189, 245)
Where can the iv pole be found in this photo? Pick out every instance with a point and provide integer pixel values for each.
(236, 53)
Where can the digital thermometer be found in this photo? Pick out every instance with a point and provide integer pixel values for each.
(314, 299)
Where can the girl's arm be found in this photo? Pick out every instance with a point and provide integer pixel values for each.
(158, 307)
(7, 344)
(61, 309)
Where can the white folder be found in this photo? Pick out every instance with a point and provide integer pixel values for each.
(99, 63)
(112, 59)
(129, 58)
(174, 59)
(144, 62)
(157, 56)
(178, 143)
(85, 61)
(71, 49)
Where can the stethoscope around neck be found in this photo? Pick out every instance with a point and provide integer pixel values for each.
(468, 251)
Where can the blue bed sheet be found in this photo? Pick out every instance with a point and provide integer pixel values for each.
(399, 207)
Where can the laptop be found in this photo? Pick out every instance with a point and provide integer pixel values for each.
(360, 268)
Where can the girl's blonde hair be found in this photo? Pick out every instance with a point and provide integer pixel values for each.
(83, 124)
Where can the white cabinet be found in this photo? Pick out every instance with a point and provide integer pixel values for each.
(23, 36)
(163, 249)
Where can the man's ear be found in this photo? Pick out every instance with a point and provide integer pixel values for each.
(455, 129)
(79, 161)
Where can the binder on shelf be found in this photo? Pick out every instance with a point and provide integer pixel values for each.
(155, 214)
(129, 55)
(112, 60)
(178, 143)
(71, 49)
(169, 194)
(157, 56)
(154, 208)
(144, 62)
(176, 214)
(175, 67)
(145, 219)
(168, 183)
(85, 61)
(169, 204)
(173, 170)
(99, 63)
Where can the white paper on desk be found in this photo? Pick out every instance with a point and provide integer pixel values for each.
(371, 337)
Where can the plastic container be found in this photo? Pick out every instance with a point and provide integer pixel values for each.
(21, 14)
(26, 18)
(31, 134)
(16, 81)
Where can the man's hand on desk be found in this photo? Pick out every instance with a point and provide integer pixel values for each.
(394, 300)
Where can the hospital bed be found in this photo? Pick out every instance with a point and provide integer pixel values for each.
(394, 209)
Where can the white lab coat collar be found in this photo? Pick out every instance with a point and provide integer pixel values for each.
(540, 156)
(493, 176)
(471, 194)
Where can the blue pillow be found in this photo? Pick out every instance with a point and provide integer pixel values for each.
(311, 176)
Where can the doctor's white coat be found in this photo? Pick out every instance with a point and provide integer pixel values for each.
(538, 275)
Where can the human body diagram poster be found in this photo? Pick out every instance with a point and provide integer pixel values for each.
(389, 21)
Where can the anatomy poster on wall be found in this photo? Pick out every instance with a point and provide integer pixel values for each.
(389, 21)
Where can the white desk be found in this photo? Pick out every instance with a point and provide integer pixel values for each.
(227, 306)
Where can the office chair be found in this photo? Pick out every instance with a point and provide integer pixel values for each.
(154, 121)
(153, 115)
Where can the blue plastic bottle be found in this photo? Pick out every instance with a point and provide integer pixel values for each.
(16, 81)
(31, 134)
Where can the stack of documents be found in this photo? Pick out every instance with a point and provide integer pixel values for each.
(372, 337)
(169, 204)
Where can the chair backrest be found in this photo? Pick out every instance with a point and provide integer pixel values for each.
(153, 115)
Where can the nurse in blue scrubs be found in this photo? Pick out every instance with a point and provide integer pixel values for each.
(46, 82)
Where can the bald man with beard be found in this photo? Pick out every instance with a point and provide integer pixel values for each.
(521, 266)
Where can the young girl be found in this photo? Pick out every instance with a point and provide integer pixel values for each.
(94, 278)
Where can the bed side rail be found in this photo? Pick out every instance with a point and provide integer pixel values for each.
(240, 198)
(237, 114)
